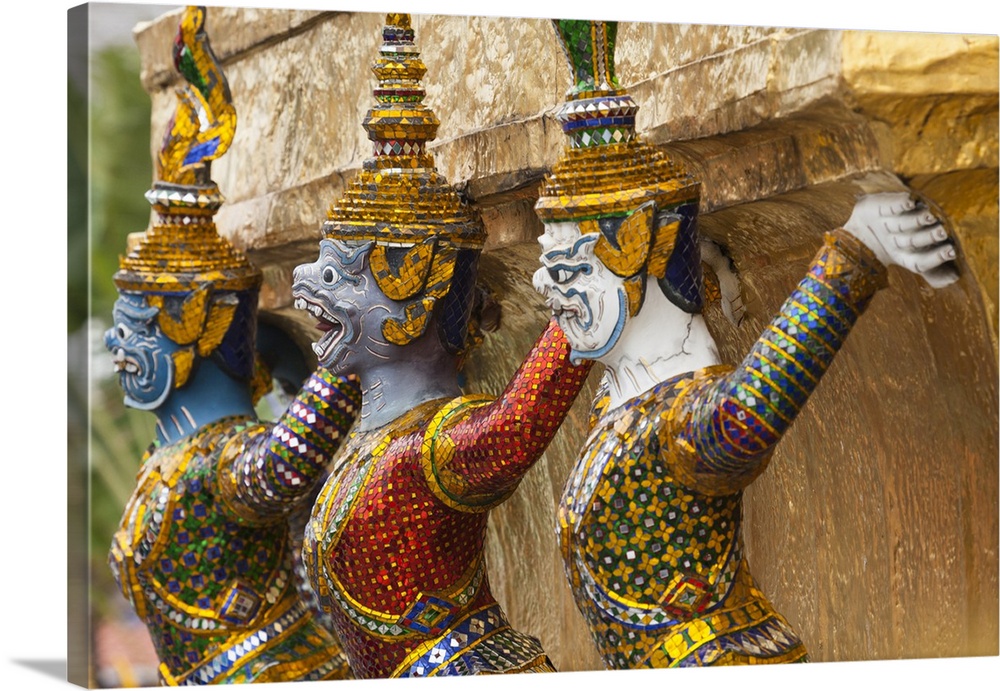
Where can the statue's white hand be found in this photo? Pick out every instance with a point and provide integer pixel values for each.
(902, 231)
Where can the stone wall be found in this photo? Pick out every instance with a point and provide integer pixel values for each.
(875, 528)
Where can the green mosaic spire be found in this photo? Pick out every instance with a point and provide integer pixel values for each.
(589, 47)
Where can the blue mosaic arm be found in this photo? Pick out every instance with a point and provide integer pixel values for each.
(726, 428)
(266, 471)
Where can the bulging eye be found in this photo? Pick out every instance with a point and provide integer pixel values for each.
(329, 275)
(122, 332)
(562, 273)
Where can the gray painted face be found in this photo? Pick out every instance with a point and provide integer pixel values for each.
(339, 290)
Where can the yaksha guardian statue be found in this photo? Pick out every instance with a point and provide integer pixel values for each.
(394, 547)
(204, 552)
(649, 521)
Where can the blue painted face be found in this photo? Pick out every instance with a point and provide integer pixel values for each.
(141, 353)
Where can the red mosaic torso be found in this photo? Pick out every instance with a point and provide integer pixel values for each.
(394, 547)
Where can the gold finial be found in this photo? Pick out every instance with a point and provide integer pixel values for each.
(399, 196)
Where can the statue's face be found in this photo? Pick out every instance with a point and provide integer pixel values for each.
(141, 353)
(588, 301)
(340, 291)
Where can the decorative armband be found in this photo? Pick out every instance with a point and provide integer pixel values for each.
(438, 454)
(263, 473)
(848, 261)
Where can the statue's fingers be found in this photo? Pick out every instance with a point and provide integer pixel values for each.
(944, 275)
(919, 239)
(892, 203)
(910, 221)
(923, 262)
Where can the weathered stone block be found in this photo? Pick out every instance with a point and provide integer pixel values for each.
(233, 31)
(971, 204)
(805, 68)
(823, 143)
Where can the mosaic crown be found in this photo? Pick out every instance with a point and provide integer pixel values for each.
(399, 196)
(607, 172)
(182, 258)
(427, 240)
(182, 249)
(605, 169)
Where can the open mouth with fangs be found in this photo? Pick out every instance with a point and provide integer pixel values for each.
(332, 328)
(123, 362)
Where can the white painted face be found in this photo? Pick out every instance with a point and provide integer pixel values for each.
(588, 301)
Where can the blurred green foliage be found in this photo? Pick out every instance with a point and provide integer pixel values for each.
(76, 170)
(108, 174)
(120, 165)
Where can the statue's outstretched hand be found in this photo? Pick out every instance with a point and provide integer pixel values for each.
(902, 231)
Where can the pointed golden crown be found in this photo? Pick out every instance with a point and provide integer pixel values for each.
(399, 196)
(183, 249)
(182, 254)
(605, 170)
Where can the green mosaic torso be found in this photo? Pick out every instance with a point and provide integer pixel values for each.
(653, 563)
(202, 579)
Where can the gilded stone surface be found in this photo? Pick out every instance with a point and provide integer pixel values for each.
(915, 64)
(970, 200)
(937, 95)
(936, 134)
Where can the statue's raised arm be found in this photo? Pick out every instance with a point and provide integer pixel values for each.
(726, 428)
(650, 518)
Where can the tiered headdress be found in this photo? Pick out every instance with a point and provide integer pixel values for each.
(427, 240)
(205, 288)
(613, 184)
